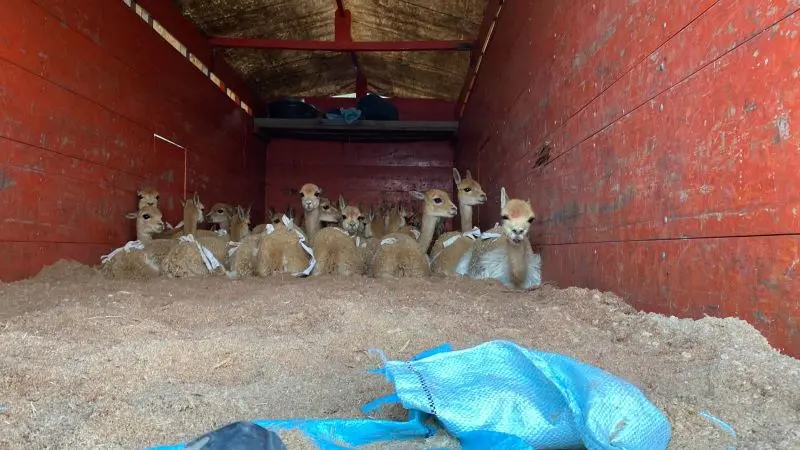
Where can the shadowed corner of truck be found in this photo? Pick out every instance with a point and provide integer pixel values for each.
(6, 181)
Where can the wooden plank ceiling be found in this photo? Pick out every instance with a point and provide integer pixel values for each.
(274, 73)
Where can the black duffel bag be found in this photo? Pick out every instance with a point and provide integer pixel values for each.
(373, 107)
(292, 109)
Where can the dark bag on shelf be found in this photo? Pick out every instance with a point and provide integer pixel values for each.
(292, 109)
(373, 107)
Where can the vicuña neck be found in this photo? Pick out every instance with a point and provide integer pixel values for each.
(238, 231)
(143, 236)
(190, 220)
(466, 217)
(517, 266)
(311, 223)
(426, 234)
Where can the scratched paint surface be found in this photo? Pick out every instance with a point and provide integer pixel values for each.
(672, 150)
(83, 88)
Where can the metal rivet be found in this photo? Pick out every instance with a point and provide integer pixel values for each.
(666, 219)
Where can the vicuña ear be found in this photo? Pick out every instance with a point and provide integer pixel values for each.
(417, 195)
(503, 197)
(468, 175)
(456, 175)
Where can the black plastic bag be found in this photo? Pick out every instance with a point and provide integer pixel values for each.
(238, 436)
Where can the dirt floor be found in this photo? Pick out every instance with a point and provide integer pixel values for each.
(91, 363)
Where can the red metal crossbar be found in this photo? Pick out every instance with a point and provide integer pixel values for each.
(342, 46)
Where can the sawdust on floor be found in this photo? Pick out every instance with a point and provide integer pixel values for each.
(93, 363)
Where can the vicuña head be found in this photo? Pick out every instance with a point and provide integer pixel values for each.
(195, 205)
(240, 223)
(516, 217)
(327, 212)
(309, 196)
(276, 218)
(149, 221)
(470, 192)
(396, 218)
(436, 203)
(221, 214)
(353, 220)
(148, 195)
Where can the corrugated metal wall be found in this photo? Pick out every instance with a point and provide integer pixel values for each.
(84, 86)
(673, 174)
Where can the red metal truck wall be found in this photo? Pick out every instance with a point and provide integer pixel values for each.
(363, 173)
(673, 174)
(84, 85)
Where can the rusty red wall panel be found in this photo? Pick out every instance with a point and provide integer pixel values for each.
(671, 132)
(754, 278)
(85, 86)
(364, 173)
(185, 31)
(120, 79)
(21, 259)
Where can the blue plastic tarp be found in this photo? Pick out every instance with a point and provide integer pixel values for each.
(499, 395)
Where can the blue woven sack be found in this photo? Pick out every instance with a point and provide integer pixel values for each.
(499, 395)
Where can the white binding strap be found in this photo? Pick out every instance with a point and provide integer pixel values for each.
(450, 241)
(130, 245)
(209, 260)
(475, 233)
(308, 250)
(233, 247)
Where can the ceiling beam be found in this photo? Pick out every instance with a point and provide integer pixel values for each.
(342, 33)
(490, 17)
(341, 46)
